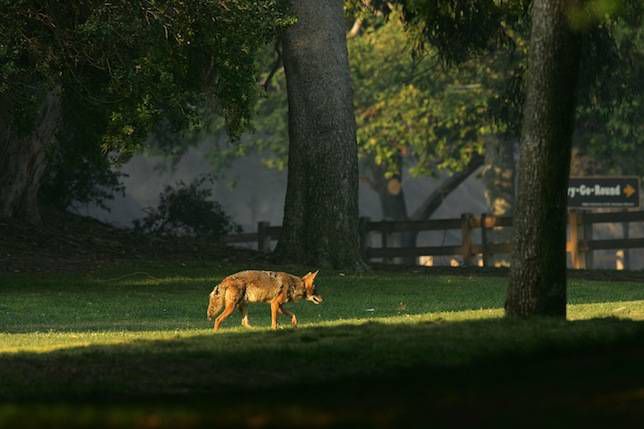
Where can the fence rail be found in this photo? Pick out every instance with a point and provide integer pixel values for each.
(580, 243)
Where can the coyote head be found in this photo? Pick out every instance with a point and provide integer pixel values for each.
(310, 293)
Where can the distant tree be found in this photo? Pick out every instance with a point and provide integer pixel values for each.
(321, 209)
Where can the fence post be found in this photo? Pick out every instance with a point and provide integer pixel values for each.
(627, 258)
(485, 255)
(384, 237)
(363, 227)
(263, 237)
(466, 233)
(587, 236)
(576, 234)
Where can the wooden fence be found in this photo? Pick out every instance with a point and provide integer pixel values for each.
(466, 224)
(580, 243)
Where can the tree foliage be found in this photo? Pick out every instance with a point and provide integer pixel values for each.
(144, 61)
(427, 95)
(608, 128)
(129, 69)
(436, 116)
(459, 29)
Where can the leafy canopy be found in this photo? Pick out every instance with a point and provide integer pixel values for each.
(144, 62)
(126, 70)
(407, 104)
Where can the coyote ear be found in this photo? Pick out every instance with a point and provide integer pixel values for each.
(309, 277)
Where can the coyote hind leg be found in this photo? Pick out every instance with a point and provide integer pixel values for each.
(231, 300)
(230, 308)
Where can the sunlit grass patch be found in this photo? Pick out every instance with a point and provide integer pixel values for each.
(43, 313)
(54, 340)
(632, 310)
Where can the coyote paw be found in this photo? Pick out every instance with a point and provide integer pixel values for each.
(293, 321)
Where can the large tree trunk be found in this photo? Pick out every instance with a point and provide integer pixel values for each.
(321, 209)
(23, 159)
(538, 272)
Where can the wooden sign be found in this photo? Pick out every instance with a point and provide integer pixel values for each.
(606, 192)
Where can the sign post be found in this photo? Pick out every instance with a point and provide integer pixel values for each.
(597, 192)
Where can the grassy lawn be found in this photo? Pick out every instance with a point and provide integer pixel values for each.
(119, 349)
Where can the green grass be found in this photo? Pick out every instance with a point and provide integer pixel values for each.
(391, 345)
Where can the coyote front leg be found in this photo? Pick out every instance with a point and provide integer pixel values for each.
(290, 314)
(243, 309)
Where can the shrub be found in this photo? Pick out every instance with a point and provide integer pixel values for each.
(187, 210)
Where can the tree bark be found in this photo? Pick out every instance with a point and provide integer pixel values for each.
(23, 159)
(538, 272)
(321, 208)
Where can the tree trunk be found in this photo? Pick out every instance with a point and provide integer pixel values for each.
(538, 272)
(498, 175)
(321, 209)
(23, 159)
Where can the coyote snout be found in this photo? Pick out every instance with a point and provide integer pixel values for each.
(275, 288)
(315, 299)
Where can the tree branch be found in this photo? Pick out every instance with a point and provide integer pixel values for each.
(436, 198)
(274, 68)
(355, 29)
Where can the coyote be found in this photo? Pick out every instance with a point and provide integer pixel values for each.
(237, 290)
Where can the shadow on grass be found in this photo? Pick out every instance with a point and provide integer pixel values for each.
(215, 363)
(373, 374)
